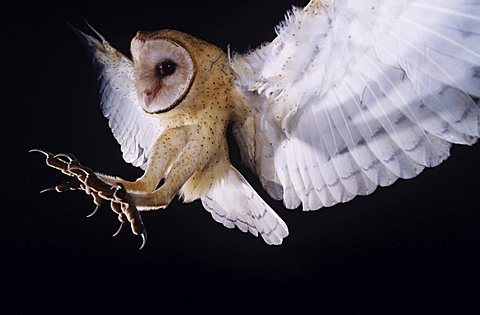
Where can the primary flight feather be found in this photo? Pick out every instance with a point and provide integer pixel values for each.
(351, 95)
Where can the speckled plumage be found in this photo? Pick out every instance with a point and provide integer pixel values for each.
(189, 148)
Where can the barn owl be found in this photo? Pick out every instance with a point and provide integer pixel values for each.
(349, 96)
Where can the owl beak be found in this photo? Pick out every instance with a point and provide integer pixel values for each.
(149, 95)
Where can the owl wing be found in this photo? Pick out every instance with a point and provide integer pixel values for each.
(352, 95)
(234, 203)
(135, 130)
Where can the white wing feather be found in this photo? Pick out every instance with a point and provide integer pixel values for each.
(233, 202)
(135, 130)
(356, 94)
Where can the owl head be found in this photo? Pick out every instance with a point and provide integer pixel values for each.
(166, 64)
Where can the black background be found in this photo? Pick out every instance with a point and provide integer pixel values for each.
(410, 248)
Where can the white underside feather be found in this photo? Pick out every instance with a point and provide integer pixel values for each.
(233, 202)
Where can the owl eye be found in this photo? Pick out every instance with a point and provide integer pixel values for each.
(166, 68)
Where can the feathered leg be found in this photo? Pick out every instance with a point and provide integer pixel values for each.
(191, 159)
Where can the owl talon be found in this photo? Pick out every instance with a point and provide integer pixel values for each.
(53, 162)
(133, 216)
(84, 178)
(144, 240)
(121, 217)
(118, 230)
(72, 185)
(81, 172)
(47, 153)
(116, 208)
(48, 189)
(71, 158)
(94, 211)
(96, 198)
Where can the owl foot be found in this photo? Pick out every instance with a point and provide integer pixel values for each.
(84, 178)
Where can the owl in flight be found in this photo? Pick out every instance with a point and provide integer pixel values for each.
(350, 95)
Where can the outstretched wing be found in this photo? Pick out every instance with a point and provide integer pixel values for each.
(356, 94)
(135, 130)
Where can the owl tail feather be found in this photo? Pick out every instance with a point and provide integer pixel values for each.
(233, 202)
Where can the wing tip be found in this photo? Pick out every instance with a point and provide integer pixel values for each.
(91, 43)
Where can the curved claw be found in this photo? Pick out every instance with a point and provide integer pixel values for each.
(69, 156)
(94, 211)
(118, 230)
(144, 239)
(48, 154)
(84, 178)
(48, 189)
(86, 170)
